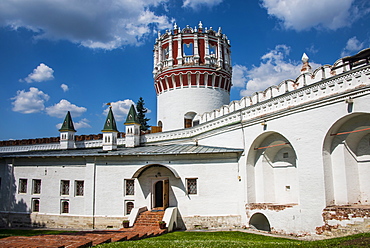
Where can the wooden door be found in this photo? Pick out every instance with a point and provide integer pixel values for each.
(166, 188)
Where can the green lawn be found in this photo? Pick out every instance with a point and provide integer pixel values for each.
(237, 239)
(26, 232)
(213, 239)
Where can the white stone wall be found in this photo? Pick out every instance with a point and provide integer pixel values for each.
(174, 104)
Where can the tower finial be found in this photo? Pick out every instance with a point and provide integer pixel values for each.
(200, 25)
(306, 66)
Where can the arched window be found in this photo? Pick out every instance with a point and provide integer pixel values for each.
(188, 119)
(36, 205)
(129, 207)
(65, 207)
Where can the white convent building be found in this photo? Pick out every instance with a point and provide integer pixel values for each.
(294, 158)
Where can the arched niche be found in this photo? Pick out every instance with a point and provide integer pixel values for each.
(272, 170)
(346, 158)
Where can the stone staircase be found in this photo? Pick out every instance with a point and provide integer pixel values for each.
(149, 218)
(145, 226)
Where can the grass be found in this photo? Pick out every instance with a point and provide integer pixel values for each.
(26, 232)
(237, 239)
(213, 239)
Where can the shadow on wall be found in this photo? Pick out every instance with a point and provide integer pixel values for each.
(13, 212)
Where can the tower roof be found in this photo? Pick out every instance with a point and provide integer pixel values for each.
(132, 117)
(67, 124)
(110, 122)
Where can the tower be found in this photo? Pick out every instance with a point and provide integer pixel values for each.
(67, 133)
(132, 128)
(192, 74)
(110, 132)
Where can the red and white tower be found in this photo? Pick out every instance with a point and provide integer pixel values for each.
(192, 74)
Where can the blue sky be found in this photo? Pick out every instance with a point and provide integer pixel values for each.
(59, 55)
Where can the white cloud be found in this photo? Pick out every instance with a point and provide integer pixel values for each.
(273, 69)
(64, 87)
(196, 3)
(353, 46)
(84, 123)
(105, 24)
(303, 14)
(31, 101)
(239, 75)
(120, 109)
(60, 109)
(40, 74)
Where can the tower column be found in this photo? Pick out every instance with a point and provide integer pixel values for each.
(219, 52)
(170, 56)
(206, 44)
(196, 51)
(179, 49)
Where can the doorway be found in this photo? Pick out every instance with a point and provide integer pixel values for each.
(161, 194)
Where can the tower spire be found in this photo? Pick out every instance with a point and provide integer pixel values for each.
(132, 128)
(110, 132)
(67, 133)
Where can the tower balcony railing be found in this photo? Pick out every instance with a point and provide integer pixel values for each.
(188, 59)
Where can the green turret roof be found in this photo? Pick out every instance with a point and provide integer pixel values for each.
(132, 117)
(67, 124)
(110, 122)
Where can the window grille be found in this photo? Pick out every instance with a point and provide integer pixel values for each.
(65, 207)
(35, 205)
(22, 186)
(79, 188)
(130, 187)
(192, 186)
(36, 186)
(64, 187)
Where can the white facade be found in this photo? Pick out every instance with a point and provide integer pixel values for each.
(281, 160)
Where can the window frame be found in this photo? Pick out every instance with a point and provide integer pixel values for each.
(36, 189)
(77, 191)
(63, 190)
(22, 186)
(62, 206)
(188, 190)
(33, 205)
(126, 190)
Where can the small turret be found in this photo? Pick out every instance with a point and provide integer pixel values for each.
(110, 132)
(132, 128)
(67, 133)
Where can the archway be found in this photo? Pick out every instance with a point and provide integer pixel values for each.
(272, 170)
(188, 119)
(260, 222)
(158, 184)
(346, 155)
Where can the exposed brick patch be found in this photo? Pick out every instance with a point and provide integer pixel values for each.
(343, 214)
(268, 206)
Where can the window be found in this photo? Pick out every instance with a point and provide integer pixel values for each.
(64, 187)
(22, 186)
(285, 155)
(130, 187)
(129, 207)
(79, 188)
(36, 185)
(191, 184)
(36, 205)
(65, 207)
